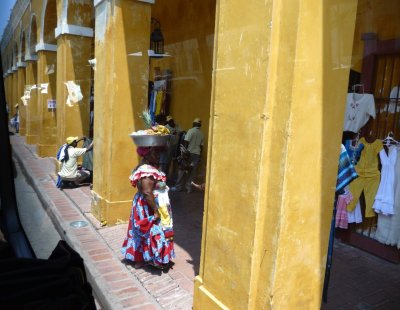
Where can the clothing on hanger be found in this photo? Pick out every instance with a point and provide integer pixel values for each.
(388, 226)
(384, 199)
(354, 151)
(359, 108)
(346, 172)
(343, 200)
(369, 176)
(355, 216)
(389, 140)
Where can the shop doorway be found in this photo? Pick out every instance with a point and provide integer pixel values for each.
(180, 81)
(365, 221)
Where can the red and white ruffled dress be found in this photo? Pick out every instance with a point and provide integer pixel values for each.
(148, 240)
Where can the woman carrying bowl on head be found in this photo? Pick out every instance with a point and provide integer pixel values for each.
(150, 233)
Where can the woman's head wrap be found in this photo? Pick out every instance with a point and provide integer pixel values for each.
(143, 151)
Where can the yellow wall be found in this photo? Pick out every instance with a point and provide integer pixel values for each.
(375, 16)
(188, 29)
(81, 13)
(22, 108)
(48, 117)
(33, 119)
(266, 226)
(122, 26)
(73, 53)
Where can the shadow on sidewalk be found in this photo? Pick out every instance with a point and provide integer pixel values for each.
(188, 218)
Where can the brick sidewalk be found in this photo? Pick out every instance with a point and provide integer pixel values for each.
(362, 281)
(118, 285)
(358, 280)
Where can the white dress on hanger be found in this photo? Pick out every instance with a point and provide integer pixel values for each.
(355, 216)
(388, 230)
(384, 199)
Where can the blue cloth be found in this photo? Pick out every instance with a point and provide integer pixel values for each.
(152, 108)
(353, 151)
(346, 172)
(87, 162)
(59, 156)
(60, 152)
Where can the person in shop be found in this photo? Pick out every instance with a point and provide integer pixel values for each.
(149, 239)
(173, 150)
(15, 119)
(160, 119)
(193, 144)
(70, 174)
(201, 187)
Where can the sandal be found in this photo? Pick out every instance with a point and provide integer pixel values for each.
(160, 267)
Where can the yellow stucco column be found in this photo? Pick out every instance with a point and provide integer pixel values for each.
(20, 93)
(279, 86)
(32, 111)
(73, 53)
(46, 146)
(7, 82)
(14, 91)
(122, 27)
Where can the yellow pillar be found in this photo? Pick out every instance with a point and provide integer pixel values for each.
(32, 111)
(46, 146)
(14, 90)
(73, 53)
(279, 74)
(20, 93)
(7, 80)
(122, 27)
(74, 49)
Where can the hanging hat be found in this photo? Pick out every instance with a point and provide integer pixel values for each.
(69, 140)
(169, 117)
(197, 120)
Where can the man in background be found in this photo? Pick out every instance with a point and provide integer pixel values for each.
(69, 166)
(193, 142)
(173, 149)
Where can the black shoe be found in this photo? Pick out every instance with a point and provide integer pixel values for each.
(68, 184)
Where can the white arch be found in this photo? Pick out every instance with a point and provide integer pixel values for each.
(28, 47)
(14, 55)
(41, 34)
(63, 27)
(41, 45)
(22, 36)
(64, 14)
(19, 41)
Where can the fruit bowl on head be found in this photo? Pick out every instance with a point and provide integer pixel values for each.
(150, 140)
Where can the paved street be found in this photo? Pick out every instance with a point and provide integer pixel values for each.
(38, 226)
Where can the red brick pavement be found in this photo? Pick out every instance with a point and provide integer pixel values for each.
(116, 284)
(358, 279)
(362, 281)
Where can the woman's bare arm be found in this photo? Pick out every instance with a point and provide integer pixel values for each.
(147, 190)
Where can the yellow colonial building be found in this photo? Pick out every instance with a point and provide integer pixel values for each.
(269, 81)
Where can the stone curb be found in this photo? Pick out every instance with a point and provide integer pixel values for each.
(102, 290)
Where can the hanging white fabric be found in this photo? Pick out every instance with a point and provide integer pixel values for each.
(24, 100)
(50, 69)
(92, 63)
(74, 93)
(43, 88)
(27, 95)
